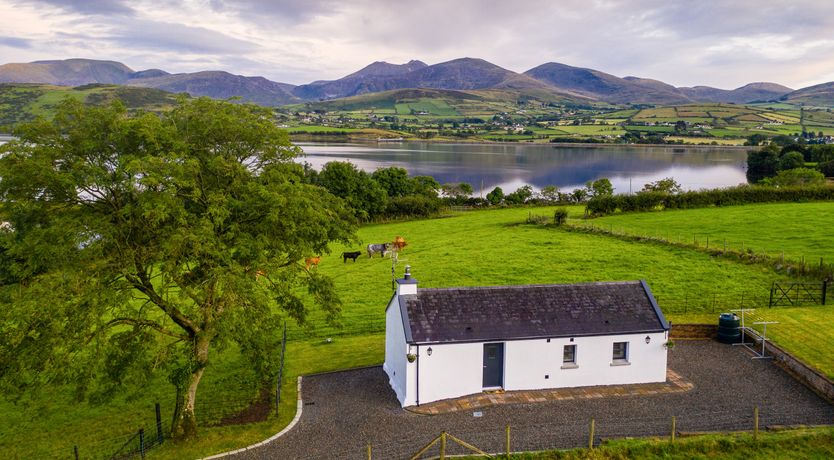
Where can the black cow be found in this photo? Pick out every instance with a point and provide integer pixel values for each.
(351, 255)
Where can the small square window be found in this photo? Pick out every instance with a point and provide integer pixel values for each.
(569, 354)
(620, 353)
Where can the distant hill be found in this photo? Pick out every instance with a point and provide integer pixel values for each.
(69, 72)
(547, 82)
(820, 95)
(221, 85)
(751, 92)
(634, 90)
(606, 87)
(24, 101)
(369, 79)
(216, 84)
(458, 74)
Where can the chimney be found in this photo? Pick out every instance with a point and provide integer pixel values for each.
(407, 285)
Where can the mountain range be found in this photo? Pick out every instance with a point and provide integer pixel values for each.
(550, 81)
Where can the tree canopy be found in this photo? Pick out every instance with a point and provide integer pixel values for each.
(135, 243)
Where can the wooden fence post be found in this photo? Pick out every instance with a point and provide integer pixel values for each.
(755, 423)
(369, 451)
(442, 445)
(142, 442)
(508, 441)
(674, 423)
(591, 435)
(158, 423)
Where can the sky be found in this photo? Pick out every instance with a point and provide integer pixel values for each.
(724, 44)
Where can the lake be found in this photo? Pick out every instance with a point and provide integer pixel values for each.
(511, 166)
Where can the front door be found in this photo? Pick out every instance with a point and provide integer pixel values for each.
(493, 365)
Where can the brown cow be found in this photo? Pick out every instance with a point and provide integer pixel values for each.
(399, 243)
(311, 261)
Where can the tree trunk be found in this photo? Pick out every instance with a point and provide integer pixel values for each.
(185, 420)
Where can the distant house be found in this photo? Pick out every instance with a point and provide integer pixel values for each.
(446, 343)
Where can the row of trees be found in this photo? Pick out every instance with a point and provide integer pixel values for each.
(771, 164)
(391, 192)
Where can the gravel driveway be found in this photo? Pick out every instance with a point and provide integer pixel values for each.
(345, 411)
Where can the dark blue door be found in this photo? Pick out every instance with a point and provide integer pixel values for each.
(493, 365)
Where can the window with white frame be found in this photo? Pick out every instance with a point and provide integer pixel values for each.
(620, 352)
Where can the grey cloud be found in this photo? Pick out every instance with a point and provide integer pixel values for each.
(92, 7)
(176, 37)
(277, 13)
(14, 42)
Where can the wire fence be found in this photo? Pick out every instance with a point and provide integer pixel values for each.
(247, 403)
(497, 438)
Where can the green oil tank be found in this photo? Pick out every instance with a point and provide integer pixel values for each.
(728, 328)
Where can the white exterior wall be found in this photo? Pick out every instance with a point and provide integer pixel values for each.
(527, 362)
(455, 370)
(451, 371)
(396, 363)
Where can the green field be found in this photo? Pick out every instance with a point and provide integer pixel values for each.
(797, 229)
(24, 102)
(494, 247)
(437, 107)
(814, 443)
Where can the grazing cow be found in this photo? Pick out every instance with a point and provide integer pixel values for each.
(382, 249)
(310, 261)
(351, 255)
(399, 243)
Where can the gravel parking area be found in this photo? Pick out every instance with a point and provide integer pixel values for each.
(345, 411)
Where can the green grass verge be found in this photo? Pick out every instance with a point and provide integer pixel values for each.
(807, 443)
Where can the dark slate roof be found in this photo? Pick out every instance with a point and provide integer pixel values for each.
(476, 314)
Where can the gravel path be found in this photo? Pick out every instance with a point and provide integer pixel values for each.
(345, 411)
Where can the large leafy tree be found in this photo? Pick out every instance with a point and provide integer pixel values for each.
(363, 194)
(141, 243)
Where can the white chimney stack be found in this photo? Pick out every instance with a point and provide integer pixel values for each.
(407, 285)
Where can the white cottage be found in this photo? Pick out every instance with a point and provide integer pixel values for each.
(446, 343)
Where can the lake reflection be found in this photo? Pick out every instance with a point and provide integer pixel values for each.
(510, 166)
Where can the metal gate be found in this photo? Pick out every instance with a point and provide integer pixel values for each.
(796, 294)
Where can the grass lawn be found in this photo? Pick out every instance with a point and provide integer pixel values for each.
(49, 426)
(809, 443)
(797, 229)
(492, 247)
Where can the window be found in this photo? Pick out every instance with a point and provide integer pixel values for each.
(569, 354)
(620, 354)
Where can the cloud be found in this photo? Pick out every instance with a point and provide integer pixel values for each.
(723, 44)
(92, 7)
(14, 42)
(175, 37)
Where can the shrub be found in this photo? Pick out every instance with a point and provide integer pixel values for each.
(796, 177)
(827, 168)
(718, 197)
(496, 196)
(791, 160)
(413, 205)
(560, 216)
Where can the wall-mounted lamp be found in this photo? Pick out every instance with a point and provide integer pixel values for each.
(648, 339)
(428, 351)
